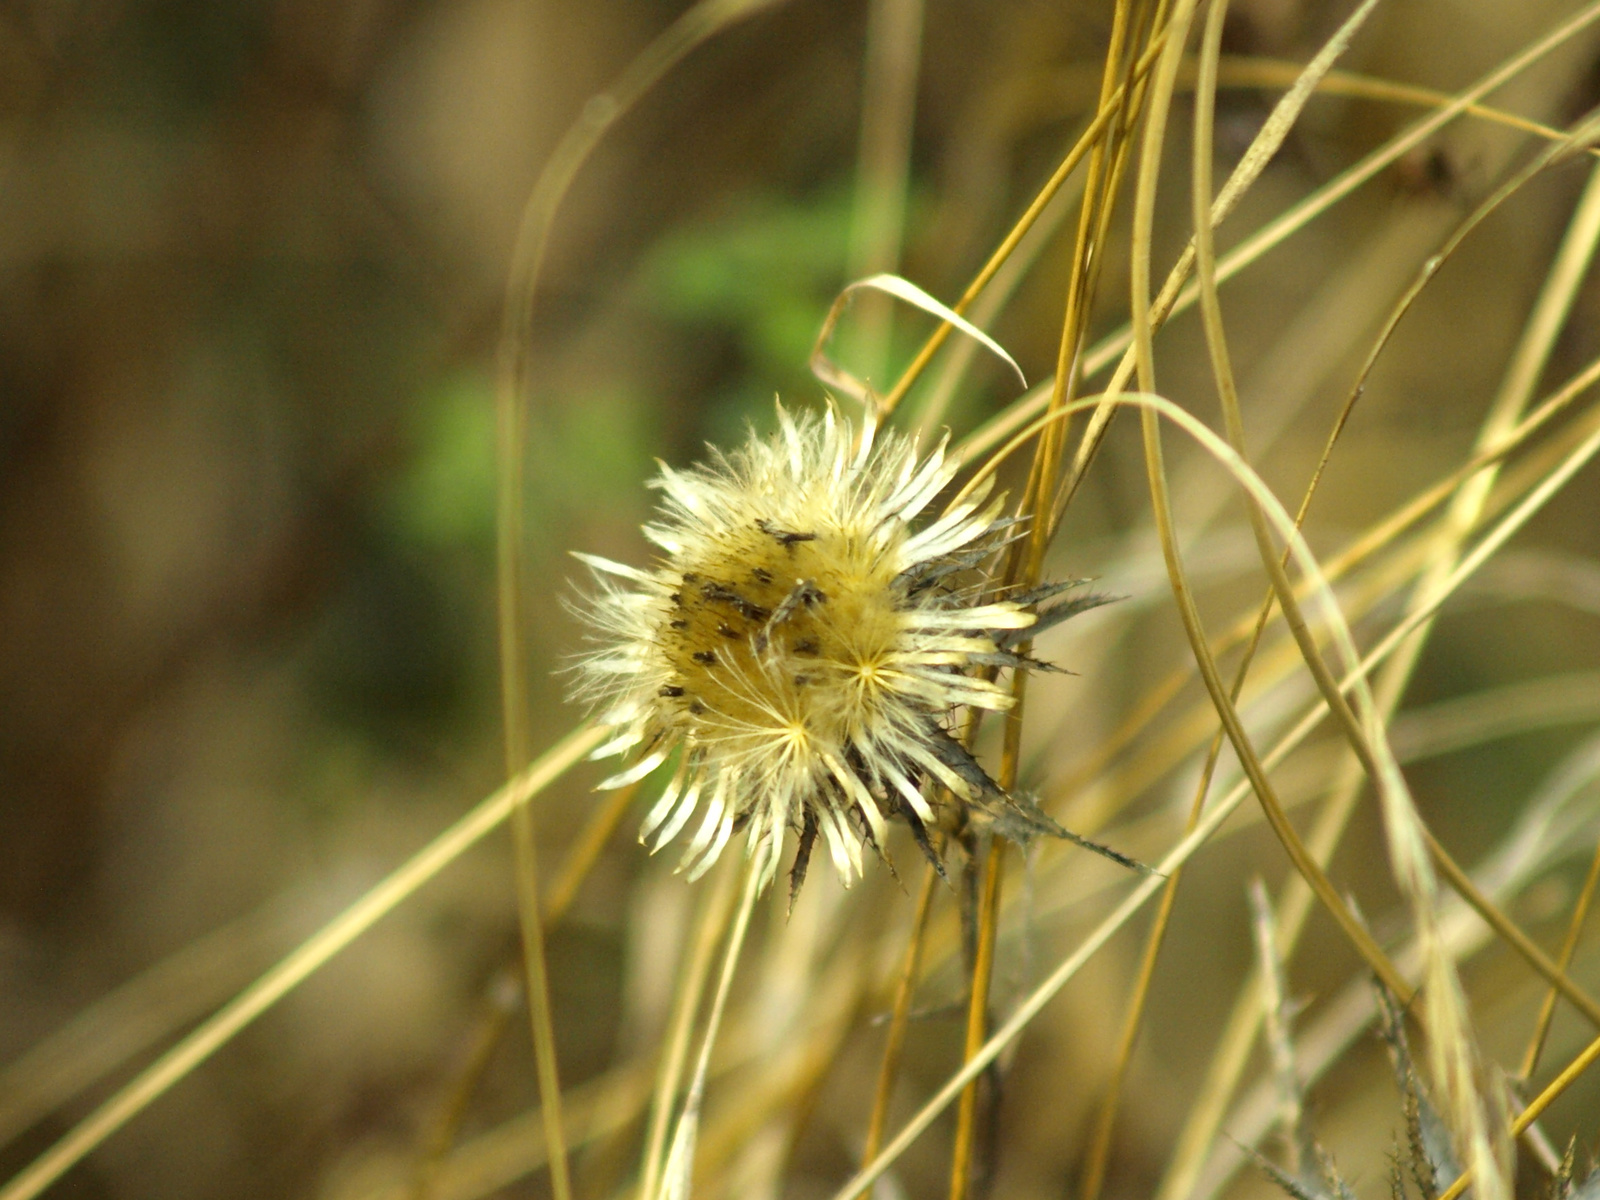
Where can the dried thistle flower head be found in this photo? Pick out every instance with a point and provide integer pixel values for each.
(801, 644)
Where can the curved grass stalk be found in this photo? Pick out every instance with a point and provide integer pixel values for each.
(1453, 1053)
(1178, 742)
(1144, 212)
(1233, 1047)
(1159, 760)
(1455, 1060)
(1466, 505)
(1098, 1155)
(1190, 732)
(1357, 553)
(1188, 735)
(1224, 807)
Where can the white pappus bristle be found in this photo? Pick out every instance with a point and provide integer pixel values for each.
(800, 645)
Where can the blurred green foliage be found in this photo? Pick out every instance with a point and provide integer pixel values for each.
(445, 499)
(760, 279)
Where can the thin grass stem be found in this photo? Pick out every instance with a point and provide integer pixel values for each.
(1569, 944)
(697, 969)
(988, 921)
(900, 1019)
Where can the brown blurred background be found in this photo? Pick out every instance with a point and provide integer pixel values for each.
(251, 265)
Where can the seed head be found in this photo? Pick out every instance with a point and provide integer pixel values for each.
(801, 644)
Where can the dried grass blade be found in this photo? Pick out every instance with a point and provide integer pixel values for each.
(1275, 1017)
(1144, 209)
(297, 966)
(835, 376)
